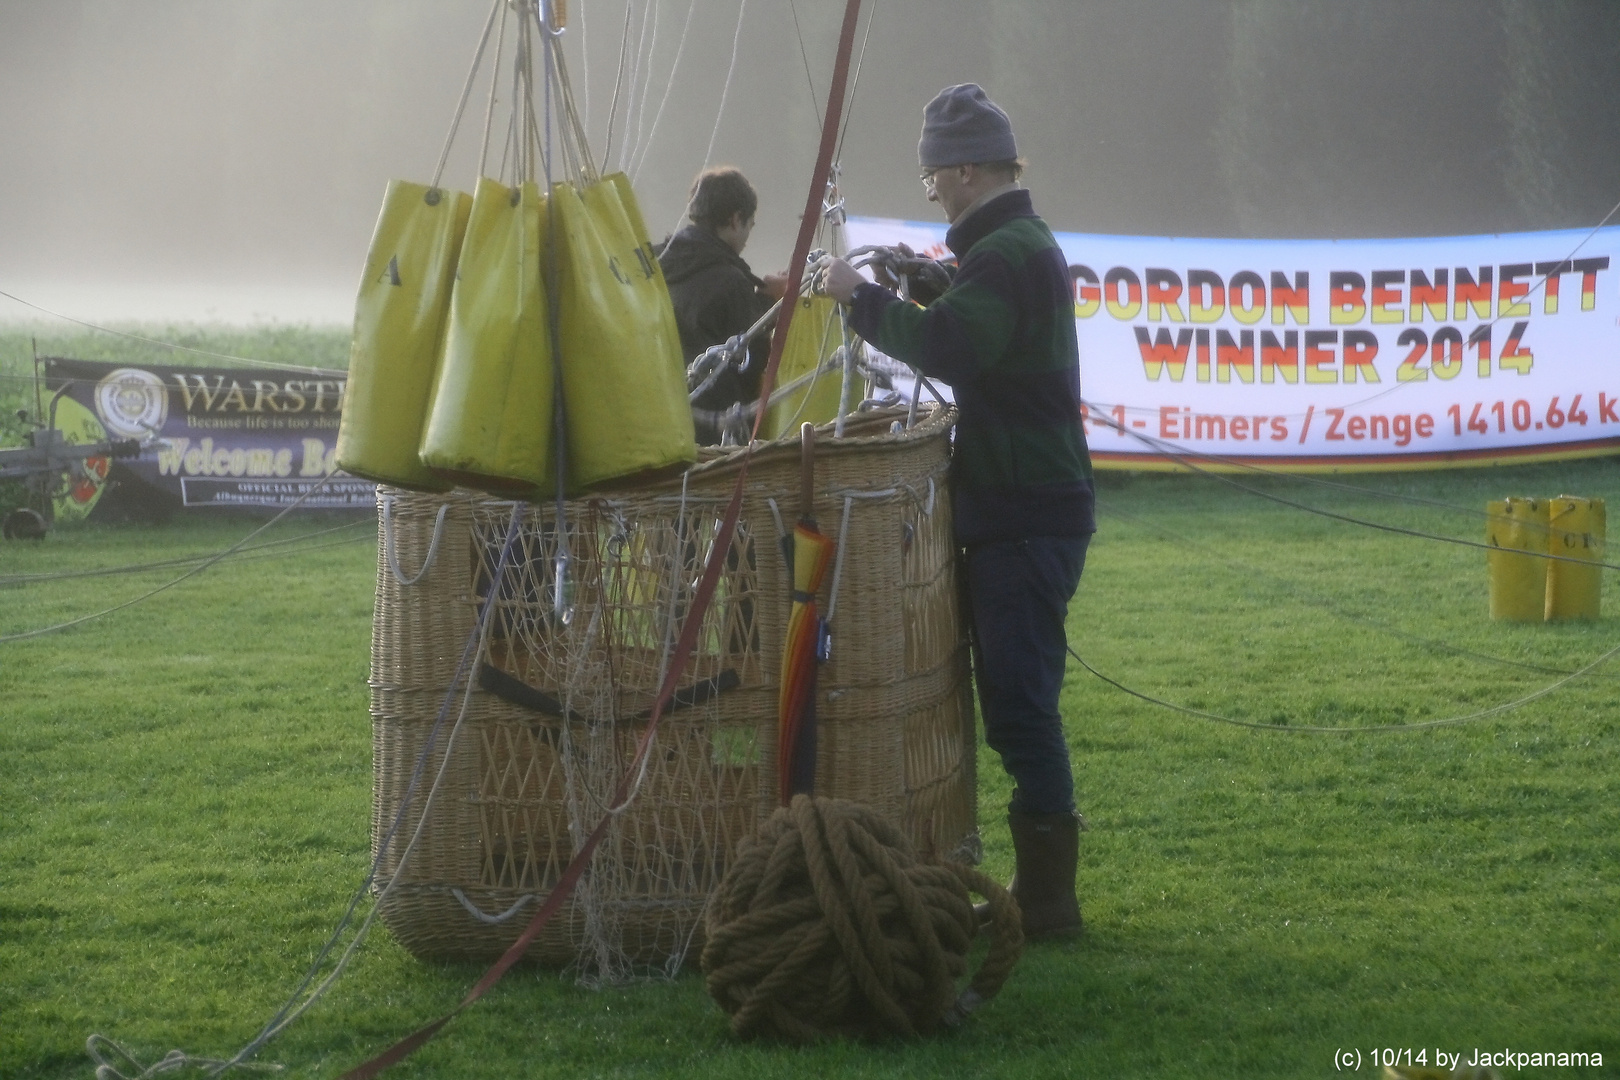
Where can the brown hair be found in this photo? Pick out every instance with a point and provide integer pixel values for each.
(719, 194)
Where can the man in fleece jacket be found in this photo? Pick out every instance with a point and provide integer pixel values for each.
(1002, 335)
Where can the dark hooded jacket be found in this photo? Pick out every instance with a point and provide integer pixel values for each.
(716, 296)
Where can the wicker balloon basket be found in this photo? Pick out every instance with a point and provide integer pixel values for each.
(537, 720)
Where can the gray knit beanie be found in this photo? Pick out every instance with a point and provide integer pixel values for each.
(962, 126)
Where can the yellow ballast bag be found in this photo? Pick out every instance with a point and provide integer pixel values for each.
(399, 319)
(490, 423)
(1518, 580)
(624, 384)
(1578, 530)
(638, 224)
(813, 336)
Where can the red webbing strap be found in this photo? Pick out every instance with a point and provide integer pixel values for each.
(812, 204)
(700, 600)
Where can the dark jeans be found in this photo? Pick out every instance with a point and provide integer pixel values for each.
(1019, 592)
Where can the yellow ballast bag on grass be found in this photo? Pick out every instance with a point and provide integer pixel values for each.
(1578, 531)
(399, 319)
(1518, 580)
(624, 384)
(490, 423)
(813, 336)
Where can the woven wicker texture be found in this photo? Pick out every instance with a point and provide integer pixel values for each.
(557, 702)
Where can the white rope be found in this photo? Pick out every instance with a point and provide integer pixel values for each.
(289, 1013)
(847, 384)
(484, 917)
(193, 572)
(332, 372)
(855, 83)
(245, 554)
(815, 377)
(494, 86)
(646, 84)
(1482, 714)
(838, 562)
(393, 880)
(618, 84)
(388, 541)
(725, 90)
(815, 99)
(776, 512)
(585, 59)
(99, 1047)
(640, 81)
(916, 396)
(680, 47)
(634, 70)
(804, 402)
(466, 91)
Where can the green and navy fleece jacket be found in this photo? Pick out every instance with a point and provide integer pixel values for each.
(1002, 336)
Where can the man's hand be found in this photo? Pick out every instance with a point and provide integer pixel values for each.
(774, 285)
(840, 280)
(883, 271)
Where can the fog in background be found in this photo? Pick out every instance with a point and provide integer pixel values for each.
(224, 160)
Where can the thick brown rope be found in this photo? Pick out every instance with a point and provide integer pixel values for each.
(827, 924)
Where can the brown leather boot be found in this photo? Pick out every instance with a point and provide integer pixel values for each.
(1047, 850)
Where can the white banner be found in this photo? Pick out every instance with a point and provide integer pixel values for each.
(1339, 354)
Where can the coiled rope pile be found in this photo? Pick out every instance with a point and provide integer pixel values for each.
(828, 924)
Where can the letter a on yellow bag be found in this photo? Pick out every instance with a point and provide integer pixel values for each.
(813, 337)
(399, 318)
(624, 384)
(490, 423)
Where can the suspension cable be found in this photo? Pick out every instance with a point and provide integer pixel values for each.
(1316, 600)
(1495, 710)
(618, 84)
(1307, 478)
(855, 82)
(804, 55)
(680, 47)
(644, 78)
(1184, 460)
(169, 564)
(314, 487)
(725, 89)
(475, 643)
(167, 344)
(466, 92)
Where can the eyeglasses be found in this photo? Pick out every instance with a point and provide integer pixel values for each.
(928, 177)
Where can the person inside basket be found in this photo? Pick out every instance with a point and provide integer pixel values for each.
(1002, 335)
(716, 295)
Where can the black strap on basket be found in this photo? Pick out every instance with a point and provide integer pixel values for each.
(700, 600)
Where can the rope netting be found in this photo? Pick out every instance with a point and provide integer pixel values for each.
(563, 696)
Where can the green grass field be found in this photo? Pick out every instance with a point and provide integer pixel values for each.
(185, 787)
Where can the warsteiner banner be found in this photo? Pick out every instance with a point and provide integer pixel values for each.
(212, 437)
(1339, 354)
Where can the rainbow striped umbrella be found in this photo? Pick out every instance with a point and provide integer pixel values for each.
(804, 646)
